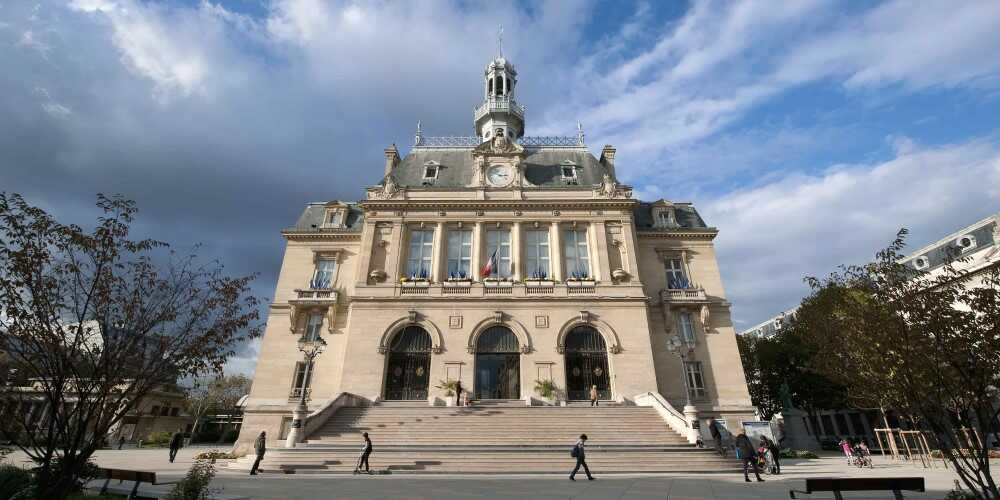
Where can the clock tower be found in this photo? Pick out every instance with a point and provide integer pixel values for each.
(499, 114)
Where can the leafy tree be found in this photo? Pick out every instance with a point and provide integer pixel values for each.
(927, 345)
(95, 321)
(208, 395)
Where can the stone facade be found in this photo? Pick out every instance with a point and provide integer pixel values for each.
(532, 235)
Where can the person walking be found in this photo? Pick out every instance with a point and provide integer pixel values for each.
(713, 428)
(259, 447)
(593, 396)
(121, 441)
(846, 447)
(458, 392)
(176, 441)
(581, 458)
(748, 455)
(366, 451)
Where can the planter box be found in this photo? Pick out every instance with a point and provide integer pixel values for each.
(499, 283)
(539, 283)
(581, 283)
(457, 283)
(416, 283)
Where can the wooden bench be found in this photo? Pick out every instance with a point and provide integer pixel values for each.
(139, 478)
(136, 476)
(836, 485)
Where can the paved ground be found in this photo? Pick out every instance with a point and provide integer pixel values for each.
(435, 487)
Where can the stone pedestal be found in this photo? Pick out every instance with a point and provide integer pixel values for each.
(296, 433)
(691, 416)
(793, 431)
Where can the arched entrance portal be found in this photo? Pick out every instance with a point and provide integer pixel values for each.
(586, 364)
(409, 364)
(498, 365)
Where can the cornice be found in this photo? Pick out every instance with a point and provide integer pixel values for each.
(300, 235)
(707, 233)
(494, 204)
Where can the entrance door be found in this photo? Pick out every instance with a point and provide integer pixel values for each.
(586, 364)
(408, 366)
(498, 365)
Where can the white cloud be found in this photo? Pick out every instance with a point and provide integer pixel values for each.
(774, 235)
(30, 41)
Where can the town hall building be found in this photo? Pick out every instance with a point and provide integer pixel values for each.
(509, 263)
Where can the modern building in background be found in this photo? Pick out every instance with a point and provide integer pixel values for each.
(974, 249)
(498, 260)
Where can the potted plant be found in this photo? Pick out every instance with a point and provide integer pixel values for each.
(449, 387)
(420, 278)
(580, 278)
(458, 278)
(539, 277)
(545, 388)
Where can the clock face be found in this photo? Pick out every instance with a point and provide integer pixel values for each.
(499, 175)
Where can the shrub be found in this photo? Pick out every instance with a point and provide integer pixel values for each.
(788, 453)
(158, 439)
(13, 480)
(449, 386)
(545, 388)
(215, 455)
(194, 486)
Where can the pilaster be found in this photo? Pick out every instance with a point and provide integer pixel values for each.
(598, 238)
(395, 253)
(440, 244)
(477, 251)
(555, 251)
(516, 251)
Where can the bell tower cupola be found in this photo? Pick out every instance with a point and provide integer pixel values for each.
(499, 113)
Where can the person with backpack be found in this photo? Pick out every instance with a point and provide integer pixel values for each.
(580, 455)
(366, 451)
(748, 455)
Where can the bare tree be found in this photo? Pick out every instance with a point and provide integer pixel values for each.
(215, 395)
(94, 321)
(926, 345)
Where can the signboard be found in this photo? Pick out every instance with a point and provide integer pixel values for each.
(756, 429)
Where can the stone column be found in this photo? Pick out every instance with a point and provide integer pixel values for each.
(598, 239)
(477, 251)
(555, 251)
(629, 260)
(395, 253)
(367, 247)
(439, 265)
(516, 252)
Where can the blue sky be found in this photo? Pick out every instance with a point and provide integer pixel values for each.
(808, 132)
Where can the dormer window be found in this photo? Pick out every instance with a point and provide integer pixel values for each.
(431, 170)
(921, 262)
(664, 217)
(335, 218)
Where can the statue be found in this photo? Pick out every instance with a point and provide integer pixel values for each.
(608, 187)
(785, 394)
(389, 188)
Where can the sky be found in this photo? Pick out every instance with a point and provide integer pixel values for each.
(807, 132)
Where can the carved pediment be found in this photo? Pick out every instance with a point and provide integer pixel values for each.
(499, 146)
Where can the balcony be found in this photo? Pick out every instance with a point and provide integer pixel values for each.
(499, 105)
(296, 394)
(313, 297)
(684, 295)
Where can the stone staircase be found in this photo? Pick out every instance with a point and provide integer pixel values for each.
(494, 438)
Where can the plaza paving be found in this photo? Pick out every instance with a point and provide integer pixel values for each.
(431, 487)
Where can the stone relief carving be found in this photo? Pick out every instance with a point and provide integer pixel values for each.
(389, 189)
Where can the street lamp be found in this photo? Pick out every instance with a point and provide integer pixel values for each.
(683, 350)
(310, 347)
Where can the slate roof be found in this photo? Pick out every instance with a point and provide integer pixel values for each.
(685, 214)
(312, 218)
(457, 168)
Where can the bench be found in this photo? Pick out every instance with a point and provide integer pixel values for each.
(139, 478)
(836, 485)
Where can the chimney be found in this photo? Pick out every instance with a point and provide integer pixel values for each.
(391, 159)
(608, 160)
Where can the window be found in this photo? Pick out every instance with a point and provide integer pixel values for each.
(686, 327)
(675, 274)
(313, 325)
(430, 171)
(536, 254)
(966, 242)
(498, 253)
(577, 253)
(174, 411)
(665, 218)
(695, 379)
(421, 252)
(301, 380)
(459, 254)
(323, 275)
(568, 171)
(335, 218)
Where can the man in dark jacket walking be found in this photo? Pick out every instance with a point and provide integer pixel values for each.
(259, 447)
(748, 455)
(176, 441)
(581, 458)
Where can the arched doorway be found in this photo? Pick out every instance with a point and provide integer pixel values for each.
(409, 364)
(586, 364)
(498, 365)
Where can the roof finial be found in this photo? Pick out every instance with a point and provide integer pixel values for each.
(500, 42)
(419, 137)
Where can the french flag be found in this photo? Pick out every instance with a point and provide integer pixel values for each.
(490, 264)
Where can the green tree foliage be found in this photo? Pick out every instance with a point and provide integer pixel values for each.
(215, 395)
(779, 367)
(96, 321)
(926, 345)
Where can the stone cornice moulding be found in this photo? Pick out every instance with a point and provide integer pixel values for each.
(300, 235)
(709, 233)
(437, 205)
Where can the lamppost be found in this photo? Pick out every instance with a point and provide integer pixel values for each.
(310, 348)
(683, 350)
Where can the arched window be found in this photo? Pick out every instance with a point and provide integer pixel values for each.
(497, 339)
(585, 339)
(586, 364)
(412, 339)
